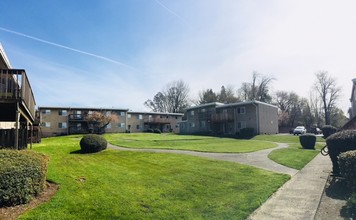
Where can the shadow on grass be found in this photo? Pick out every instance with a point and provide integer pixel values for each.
(76, 152)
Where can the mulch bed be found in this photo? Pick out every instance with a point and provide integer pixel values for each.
(13, 212)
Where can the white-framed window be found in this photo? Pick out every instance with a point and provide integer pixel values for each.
(241, 124)
(192, 112)
(139, 117)
(62, 125)
(122, 125)
(128, 115)
(122, 114)
(108, 113)
(63, 112)
(46, 124)
(241, 110)
(108, 126)
(46, 111)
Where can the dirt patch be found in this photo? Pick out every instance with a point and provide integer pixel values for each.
(13, 212)
(333, 201)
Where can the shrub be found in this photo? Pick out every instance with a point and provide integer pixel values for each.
(92, 143)
(307, 141)
(351, 205)
(150, 130)
(246, 133)
(347, 164)
(157, 131)
(340, 142)
(328, 130)
(22, 176)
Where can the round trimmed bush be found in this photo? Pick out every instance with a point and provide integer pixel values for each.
(307, 141)
(22, 176)
(340, 142)
(347, 164)
(328, 130)
(92, 143)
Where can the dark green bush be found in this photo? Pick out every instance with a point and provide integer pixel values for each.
(328, 130)
(92, 143)
(340, 142)
(351, 205)
(150, 130)
(246, 133)
(22, 176)
(307, 141)
(157, 131)
(347, 164)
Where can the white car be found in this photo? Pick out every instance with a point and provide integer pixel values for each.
(299, 130)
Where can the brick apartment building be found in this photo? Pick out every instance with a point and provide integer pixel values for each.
(65, 120)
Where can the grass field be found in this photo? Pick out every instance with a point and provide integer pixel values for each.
(133, 185)
(187, 142)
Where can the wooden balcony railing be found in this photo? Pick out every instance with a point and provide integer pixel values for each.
(15, 86)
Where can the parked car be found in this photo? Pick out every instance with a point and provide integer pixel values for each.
(299, 130)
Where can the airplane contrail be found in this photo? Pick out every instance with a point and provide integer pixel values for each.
(170, 11)
(65, 47)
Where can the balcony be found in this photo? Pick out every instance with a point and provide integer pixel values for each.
(157, 120)
(15, 89)
(222, 117)
(77, 117)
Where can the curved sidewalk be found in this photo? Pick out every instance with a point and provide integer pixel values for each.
(299, 198)
(257, 159)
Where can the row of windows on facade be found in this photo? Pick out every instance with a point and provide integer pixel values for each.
(63, 125)
(78, 113)
(240, 110)
(202, 124)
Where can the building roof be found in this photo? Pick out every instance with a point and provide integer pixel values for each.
(156, 113)
(83, 108)
(4, 61)
(245, 103)
(214, 104)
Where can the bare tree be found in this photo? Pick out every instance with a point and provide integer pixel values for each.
(97, 121)
(328, 92)
(258, 89)
(174, 98)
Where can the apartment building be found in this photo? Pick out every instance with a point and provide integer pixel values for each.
(57, 121)
(229, 119)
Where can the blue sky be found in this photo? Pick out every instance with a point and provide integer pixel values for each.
(119, 53)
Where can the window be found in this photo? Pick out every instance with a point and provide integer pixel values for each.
(108, 113)
(46, 111)
(203, 110)
(202, 124)
(241, 124)
(192, 124)
(139, 117)
(122, 125)
(62, 112)
(128, 115)
(241, 110)
(138, 127)
(46, 124)
(122, 114)
(108, 126)
(62, 125)
(192, 113)
(77, 114)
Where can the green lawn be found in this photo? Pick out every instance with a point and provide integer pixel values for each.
(136, 185)
(294, 156)
(187, 142)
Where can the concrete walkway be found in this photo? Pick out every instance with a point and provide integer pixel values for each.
(297, 199)
(257, 159)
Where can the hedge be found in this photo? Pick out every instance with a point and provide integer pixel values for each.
(347, 164)
(307, 141)
(22, 176)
